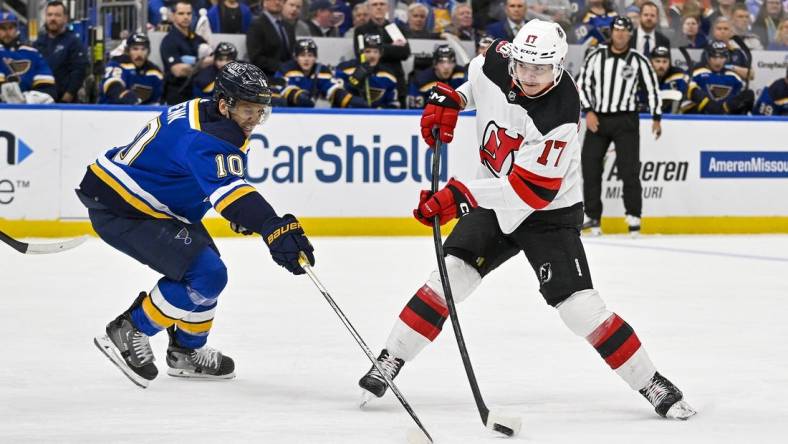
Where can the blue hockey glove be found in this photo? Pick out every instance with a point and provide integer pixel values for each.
(285, 239)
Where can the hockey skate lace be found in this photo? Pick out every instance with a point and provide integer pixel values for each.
(206, 357)
(389, 365)
(656, 393)
(141, 346)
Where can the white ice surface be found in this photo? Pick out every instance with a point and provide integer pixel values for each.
(715, 323)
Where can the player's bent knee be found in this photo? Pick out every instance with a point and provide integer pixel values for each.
(462, 277)
(583, 312)
(207, 276)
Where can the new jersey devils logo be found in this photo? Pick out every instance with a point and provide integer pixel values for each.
(498, 147)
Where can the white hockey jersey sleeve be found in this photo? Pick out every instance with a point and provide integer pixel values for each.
(474, 68)
(540, 169)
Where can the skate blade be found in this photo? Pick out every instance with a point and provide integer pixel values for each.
(680, 411)
(105, 345)
(366, 397)
(187, 374)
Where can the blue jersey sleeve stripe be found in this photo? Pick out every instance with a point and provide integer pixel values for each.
(219, 193)
(194, 114)
(233, 196)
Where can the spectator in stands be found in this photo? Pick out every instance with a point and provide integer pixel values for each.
(438, 14)
(230, 17)
(224, 53)
(367, 77)
(304, 81)
(132, 79)
(444, 69)
(646, 36)
(690, 30)
(515, 19)
(595, 23)
(64, 52)
(679, 9)
(633, 13)
(737, 59)
(416, 26)
(780, 42)
(291, 13)
(179, 50)
(741, 27)
(322, 22)
(462, 23)
(773, 100)
(724, 8)
(714, 89)
(559, 11)
(670, 78)
(395, 46)
(25, 76)
(360, 17)
(270, 38)
(767, 21)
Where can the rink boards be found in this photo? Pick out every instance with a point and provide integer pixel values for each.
(359, 172)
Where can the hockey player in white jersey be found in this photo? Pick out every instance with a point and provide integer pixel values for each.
(527, 197)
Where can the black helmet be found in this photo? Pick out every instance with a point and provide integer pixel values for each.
(717, 48)
(305, 46)
(138, 39)
(226, 50)
(242, 81)
(373, 41)
(660, 52)
(622, 22)
(444, 52)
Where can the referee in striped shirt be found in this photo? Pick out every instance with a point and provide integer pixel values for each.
(608, 84)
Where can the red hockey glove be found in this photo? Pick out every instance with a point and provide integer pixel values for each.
(453, 200)
(441, 110)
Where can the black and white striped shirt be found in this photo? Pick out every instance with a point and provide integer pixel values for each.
(609, 82)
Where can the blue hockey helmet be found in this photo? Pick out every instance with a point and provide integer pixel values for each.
(138, 39)
(242, 81)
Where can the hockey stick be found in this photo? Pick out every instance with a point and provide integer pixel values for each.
(747, 53)
(304, 262)
(54, 247)
(509, 426)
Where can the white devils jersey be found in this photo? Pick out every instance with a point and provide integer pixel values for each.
(529, 148)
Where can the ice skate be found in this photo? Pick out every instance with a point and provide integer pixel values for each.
(200, 363)
(129, 349)
(591, 226)
(633, 224)
(373, 383)
(667, 399)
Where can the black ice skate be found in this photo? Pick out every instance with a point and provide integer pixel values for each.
(373, 382)
(666, 398)
(591, 226)
(129, 348)
(200, 363)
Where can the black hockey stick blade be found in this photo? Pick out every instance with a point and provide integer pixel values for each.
(48, 248)
(412, 437)
(508, 426)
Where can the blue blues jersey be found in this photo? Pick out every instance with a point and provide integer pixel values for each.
(320, 83)
(123, 82)
(183, 162)
(204, 82)
(422, 83)
(773, 100)
(26, 65)
(379, 89)
(709, 86)
(595, 28)
(674, 79)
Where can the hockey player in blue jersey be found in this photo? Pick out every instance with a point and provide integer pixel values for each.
(147, 200)
(205, 80)
(131, 78)
(25, 76)
(715, 89)
(305, 80)
(670, 78)
(367, 79)
(444, 69)
(595, 23)
(773, 100)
